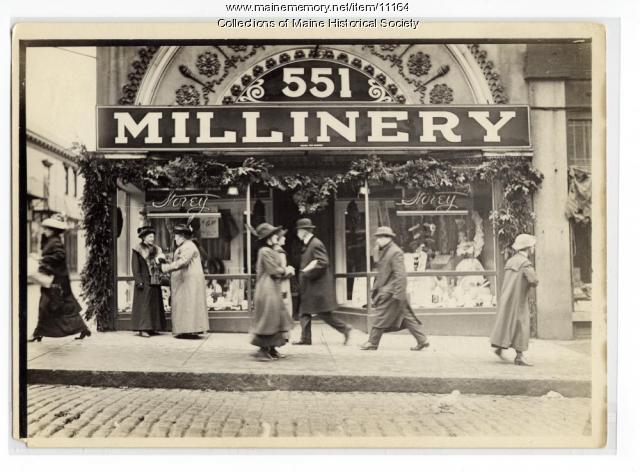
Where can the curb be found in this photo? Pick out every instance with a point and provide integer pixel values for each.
(313, 383)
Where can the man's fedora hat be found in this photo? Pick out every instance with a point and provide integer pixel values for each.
(304, 223)
(385, 231)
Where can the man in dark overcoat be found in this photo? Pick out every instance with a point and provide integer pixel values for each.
(389, 295)
(317, 287)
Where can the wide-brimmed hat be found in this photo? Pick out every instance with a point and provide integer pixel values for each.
(384, 231)
(523, 241)
(182, 229)
(264, 230)
(304, 223)
(144, 230)
(55, 221)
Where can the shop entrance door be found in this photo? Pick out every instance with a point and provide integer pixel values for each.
(285, 214)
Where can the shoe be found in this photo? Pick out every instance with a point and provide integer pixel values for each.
(301, 343)
(143, 334)
(499, 352)
(263, 356)
(522, 362)
(347, 336)
(187, 336)
(419, 347)
(275, 354)
(85, 334)
(35, 339)
(368, 347)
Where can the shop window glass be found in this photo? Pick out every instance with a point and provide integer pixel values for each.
(71, 248)
(441, 234)
(351, 251)
(579, 140)
(219, 234)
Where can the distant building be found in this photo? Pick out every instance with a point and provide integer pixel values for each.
(53, 186)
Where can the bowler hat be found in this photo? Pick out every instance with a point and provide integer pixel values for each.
(144, 230)
(264, 230)
(304, 223)
(183, 229)
(523, 241)
(385, 231)
(55, 221)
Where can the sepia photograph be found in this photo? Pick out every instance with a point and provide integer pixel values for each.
(309, 235)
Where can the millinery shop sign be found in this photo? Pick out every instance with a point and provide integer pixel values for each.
(295, 126)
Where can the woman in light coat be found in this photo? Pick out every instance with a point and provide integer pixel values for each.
(512, 323)
(271, 321)
(189, 314)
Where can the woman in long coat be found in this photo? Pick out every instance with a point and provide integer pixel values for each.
(189, 314)
(58, 311)
(512, 324)
(271, 321)
(147, 311)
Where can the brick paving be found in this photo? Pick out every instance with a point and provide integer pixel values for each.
(88, 412)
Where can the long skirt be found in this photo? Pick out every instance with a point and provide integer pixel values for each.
(58, 314)
(270, 340)
(147, 312)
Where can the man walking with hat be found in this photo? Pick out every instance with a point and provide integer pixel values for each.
(512, 322)
(389, 294)
(317, 288)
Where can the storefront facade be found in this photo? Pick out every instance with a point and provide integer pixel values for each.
(314, 109)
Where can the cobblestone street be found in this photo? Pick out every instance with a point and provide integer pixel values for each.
(86, 412)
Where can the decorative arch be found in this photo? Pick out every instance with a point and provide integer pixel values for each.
(398, 73)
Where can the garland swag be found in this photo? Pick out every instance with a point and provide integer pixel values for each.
(516, 177)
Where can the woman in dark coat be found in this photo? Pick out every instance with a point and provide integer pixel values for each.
(271, 321)
(58, 311)
(147, 311)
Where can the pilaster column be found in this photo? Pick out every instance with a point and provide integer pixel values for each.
(553, 249)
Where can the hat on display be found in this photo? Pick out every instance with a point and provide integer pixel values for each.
(264, 230)
(144, 230)
(384, 231)
(55, 221)
(304, 223)
(182, 229)
(523, 241)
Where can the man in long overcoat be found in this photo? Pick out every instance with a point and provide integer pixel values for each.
(317, 287)
(512, 323)
(389, 294)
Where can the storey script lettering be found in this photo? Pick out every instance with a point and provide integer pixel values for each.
(439, 201)
(191, 203)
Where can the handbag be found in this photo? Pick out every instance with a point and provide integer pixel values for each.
(41, 279)
(35, 276)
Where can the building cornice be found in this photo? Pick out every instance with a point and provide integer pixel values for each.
(68, 157)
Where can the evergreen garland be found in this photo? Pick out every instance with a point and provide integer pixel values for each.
(516, 177)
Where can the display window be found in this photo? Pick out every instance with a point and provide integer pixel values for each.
(448, 243)
(219, 222)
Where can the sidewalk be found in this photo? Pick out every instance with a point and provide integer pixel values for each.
(222, 361)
